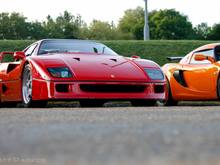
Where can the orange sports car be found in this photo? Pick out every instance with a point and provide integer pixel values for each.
(195, 77)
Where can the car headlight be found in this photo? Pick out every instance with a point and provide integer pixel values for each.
(154, 74)
(60, 72)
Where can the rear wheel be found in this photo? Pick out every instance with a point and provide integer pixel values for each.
(91, 103)
(27, 90)
(143, 103)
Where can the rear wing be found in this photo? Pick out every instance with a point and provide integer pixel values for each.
(3, 54)
(174, 58)
(11, 56)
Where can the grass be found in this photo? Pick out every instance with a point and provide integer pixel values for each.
(156, 50)
(14, 45)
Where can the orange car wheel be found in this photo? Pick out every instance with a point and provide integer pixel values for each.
(218, 88)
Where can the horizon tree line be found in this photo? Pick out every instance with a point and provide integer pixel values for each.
(167, 24)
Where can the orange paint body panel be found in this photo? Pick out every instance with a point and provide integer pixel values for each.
(195, 78)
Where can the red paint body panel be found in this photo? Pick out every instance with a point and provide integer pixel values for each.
(96, 67)
(45, 90)
(87, 68)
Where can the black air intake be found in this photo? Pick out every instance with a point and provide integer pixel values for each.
(112, 88)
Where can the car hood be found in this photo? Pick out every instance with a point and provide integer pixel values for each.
(96, 67)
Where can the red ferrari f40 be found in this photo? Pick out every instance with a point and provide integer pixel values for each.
(86, 71)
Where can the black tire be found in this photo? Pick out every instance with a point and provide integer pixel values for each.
(27, 90)
(218, 88)
(91, 103)
(170, 101)
(143, 103)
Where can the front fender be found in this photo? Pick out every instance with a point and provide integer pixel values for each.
(168, 69)
(38, 71)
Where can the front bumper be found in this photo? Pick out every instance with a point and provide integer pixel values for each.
(54, 90)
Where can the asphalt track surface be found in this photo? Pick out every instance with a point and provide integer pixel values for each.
(125, 135)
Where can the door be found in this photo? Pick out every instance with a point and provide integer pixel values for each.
(201, 76)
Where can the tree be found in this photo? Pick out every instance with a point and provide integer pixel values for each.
(202, 31)
(102, 30)
(164, 24)
(215, 32)
(36, 30)
(13, 26)
(132, 23)
(4, 25)
(169, 24)
(18, 25)
(51, 28)
(64, 26)
(67, 26)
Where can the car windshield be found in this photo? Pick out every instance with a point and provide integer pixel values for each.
(73, 46)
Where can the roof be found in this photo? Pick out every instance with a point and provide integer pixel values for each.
(208, 46)
(74, 40)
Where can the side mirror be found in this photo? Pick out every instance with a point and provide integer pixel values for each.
(19, 55)
(134, 56)
(201, 57)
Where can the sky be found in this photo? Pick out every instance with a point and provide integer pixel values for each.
(111, 10)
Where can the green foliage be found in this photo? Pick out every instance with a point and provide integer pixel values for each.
(202, 31)
(102, 31)
(35, 30)
(164, 24)
(64, 26)
(13, 26)
(8, 58)
(156, 50)
(215, 32)
(169, 24)
(132, 23)
(14, 45)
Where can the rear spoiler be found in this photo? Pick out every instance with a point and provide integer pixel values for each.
(174, 58)
(2, 54)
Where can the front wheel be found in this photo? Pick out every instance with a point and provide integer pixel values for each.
(27, 90)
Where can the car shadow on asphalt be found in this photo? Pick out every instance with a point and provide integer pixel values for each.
(75, 104)
(128, 104)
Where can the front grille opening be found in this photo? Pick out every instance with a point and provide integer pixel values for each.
(159, 89)
(112, 88)
(62, 88)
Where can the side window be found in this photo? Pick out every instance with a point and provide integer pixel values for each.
(206, 53)
(30, 50)
(217, 53)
